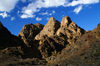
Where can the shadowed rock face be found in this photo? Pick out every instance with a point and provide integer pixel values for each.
(7, 39)
(29, 31)
(4, 33)
(49, 29)
(12, 45)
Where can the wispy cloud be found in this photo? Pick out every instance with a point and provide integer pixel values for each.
(84, 2)
(4, 14)
(46, 13)
(27, 16)
(78, 9)
(38, 4)
(38, 19)
(12, 18)
(53, 12)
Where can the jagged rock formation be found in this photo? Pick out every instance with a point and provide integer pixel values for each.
(56, 35)
(51, 45)
(85, 51)
(69, 29)
(49, 29)
(29, 31)
(10, 44)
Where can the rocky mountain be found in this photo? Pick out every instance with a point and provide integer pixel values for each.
(29, 31)
(55, 44)
(49, 29)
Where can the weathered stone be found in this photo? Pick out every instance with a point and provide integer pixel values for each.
(29, 31)
(69, 29)
(65, 21)
(48, 45)
(49, 29)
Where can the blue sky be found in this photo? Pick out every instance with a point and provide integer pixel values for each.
(16, 13)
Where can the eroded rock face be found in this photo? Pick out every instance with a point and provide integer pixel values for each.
(29, 31)
(51, 45)
(65, 21)
(52, 38)
(97, 31)
(70, 29)
(49, 29)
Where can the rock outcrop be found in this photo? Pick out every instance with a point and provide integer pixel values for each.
(51, 45)
(49, 29)
(52, 37)
(29, 31)
(69, 29)
(12, 45)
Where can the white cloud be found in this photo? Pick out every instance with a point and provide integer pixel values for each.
(18, 12)
(27, 16)
(38, 19)
(12, 18)
(4, 14)
(53, 11)
(38, 4)
(84, 2)
(7, 5)
(43, 13)
(46, 13)
(50, 14)
(78, 9)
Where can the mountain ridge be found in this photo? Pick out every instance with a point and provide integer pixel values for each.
(58, 44)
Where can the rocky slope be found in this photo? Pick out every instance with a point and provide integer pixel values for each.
(55, 44)
(29, 31)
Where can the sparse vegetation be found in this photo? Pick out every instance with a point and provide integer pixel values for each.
(21, 52)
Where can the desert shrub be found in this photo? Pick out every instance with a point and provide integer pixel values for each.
(21, 52)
